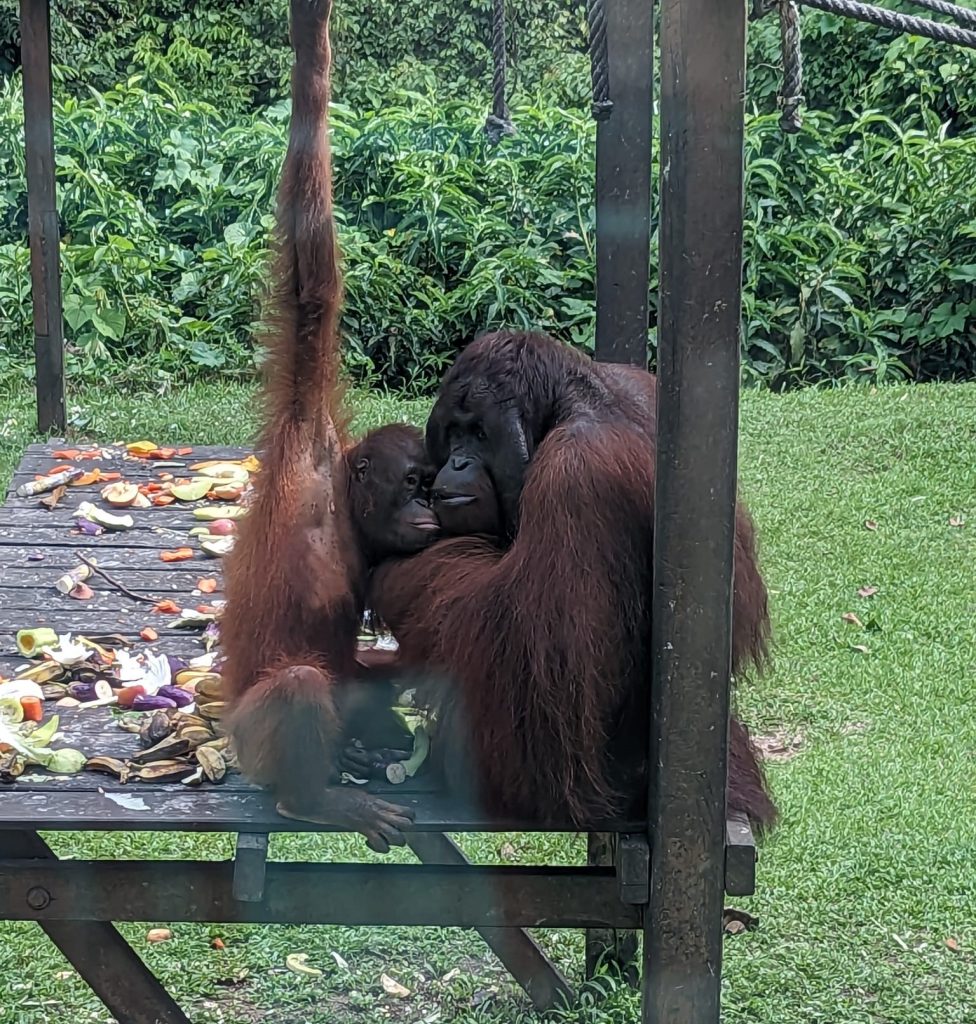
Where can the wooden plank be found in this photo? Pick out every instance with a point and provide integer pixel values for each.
(39, 537)
(702, 89)
(459, 896)
(108, 601)
(521, 955)
(114, 559)
(42, 214)
(143, 579)
(96, 950)
(177, 808)
(623, 186)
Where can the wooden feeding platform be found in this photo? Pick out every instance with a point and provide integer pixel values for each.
(74, 901)
(666, 875)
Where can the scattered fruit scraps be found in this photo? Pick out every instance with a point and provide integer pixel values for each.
(179, 555)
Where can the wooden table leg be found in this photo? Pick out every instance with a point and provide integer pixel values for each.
(96, 950)
(518, 951)
(611, 945)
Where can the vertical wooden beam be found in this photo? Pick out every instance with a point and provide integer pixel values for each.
(702, 84)
(45, 237)
(623, 252)
(623, 186)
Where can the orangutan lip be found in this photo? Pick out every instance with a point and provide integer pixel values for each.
(427, 525)
(455, 500)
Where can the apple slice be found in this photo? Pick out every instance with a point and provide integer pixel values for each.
(121, 494)
(196, 489)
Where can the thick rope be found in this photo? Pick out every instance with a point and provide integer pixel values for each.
(596, 21)
(906, 24)
(498, 123)
(791, 94)
(963, 15)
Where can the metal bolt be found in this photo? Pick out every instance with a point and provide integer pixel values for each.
(38, 898)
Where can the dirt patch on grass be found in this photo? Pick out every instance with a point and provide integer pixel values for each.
(780, 744)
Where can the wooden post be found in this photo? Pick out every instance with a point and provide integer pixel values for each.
(623, 252)
(702, 84)
(45, 236)
(623, 186)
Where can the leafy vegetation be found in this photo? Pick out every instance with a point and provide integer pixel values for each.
(865, 895)
(859, 244)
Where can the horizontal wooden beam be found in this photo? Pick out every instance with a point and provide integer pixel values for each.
(341, 894)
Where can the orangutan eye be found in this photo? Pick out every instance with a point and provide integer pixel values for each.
(411, 480)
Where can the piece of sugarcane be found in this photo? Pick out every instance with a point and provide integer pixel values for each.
(400, 771)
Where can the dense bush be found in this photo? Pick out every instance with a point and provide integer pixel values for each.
(860, 240)
(850, 67)
(236, 54)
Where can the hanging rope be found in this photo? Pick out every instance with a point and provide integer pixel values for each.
(790, 96)
(596, 21)
(963, 15)
(498, 123)
(906, 24)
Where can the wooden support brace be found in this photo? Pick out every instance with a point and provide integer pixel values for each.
(542, 981)
(96, 950)
(740, 856)
(434, 895)
(633, 868)
(611, 946)
(250, 866)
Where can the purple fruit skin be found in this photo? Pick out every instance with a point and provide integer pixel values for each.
(177, 694)
(175, 664)
(152, 702)
(82, 691)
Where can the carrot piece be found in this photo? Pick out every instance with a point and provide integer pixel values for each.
(206, 586)
(163, 499)
(206, 609)
(167, 607)
(184, 451)
(152, 487)
(66, 453)
(149, 634)
(87, 479)
(109, 476)
(179, 555)
(33, 710)
(127, 694)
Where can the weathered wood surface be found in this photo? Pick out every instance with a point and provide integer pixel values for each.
(42, 213)
(94, 801)
(28, 599)
(623, 186)
(702, 89)
(455, 895)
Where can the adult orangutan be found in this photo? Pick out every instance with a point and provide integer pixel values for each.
(540, 628)
(323, 511)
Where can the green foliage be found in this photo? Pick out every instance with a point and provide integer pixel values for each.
(849, 67)
(859, 237)
(236, 55)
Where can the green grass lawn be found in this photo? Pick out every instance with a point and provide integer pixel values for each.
(867, 893)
